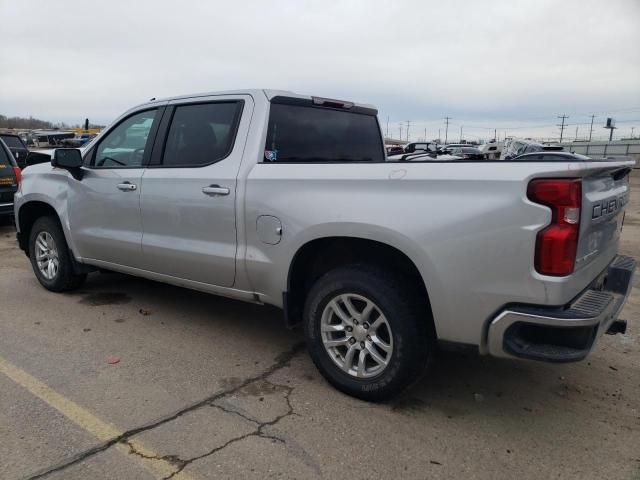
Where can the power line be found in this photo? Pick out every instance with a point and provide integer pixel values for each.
(563, 117)
(591, 128)
(446, 130)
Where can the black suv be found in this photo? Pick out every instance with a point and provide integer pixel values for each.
(17, 147)
(10, 175)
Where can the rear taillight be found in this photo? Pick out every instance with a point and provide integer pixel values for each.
(556, 245)
(18, 173)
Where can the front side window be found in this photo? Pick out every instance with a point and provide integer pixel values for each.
(311, 134)
(201, 134)
(124, 146)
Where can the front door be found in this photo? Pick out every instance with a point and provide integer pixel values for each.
(188, 198)
(104, 205)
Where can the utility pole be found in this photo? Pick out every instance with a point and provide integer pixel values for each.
(460, 133)
(446, 129)
(591, 128)
(408, 122)
(400, 137)
(632, 129)
(563, 117)
(439, 136)
(425, 134)
(495, 135)
(576, 137)
(387, 126)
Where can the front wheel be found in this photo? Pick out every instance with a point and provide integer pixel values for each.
(50, 257)
(367, 332)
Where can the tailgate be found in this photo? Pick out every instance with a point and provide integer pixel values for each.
(605, 192)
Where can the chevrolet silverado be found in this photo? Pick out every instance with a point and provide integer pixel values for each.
(284, 199)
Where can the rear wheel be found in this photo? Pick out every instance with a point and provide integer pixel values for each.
(367, 332)
(50, 257)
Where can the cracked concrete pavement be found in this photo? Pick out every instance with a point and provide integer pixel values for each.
(211, 388)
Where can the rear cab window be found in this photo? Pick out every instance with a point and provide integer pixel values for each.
(300, 131)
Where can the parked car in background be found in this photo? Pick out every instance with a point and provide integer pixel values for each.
(394, 149)
(518, 146)
(50, 138)
(454, 145)
(10, 176)
(17, 147)
(78, 141)
(420, 147)
(420, 156)
(492, 150)
(466, 153)
(290, 200)
(551, 157)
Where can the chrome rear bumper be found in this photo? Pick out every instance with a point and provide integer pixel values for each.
(568, 333)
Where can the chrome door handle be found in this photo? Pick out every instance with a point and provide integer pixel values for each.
(127, 187)
(215, 190)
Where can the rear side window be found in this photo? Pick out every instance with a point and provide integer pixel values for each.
(12, 142)
(313, 134)
(201, 134)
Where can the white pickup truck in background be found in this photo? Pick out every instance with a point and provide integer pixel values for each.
(289, 200)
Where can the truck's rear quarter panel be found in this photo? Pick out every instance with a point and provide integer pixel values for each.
(468, 227)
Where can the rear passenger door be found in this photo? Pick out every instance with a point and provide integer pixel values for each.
(188, 198)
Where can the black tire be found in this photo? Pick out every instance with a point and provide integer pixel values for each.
(407, 313)
(65, 278)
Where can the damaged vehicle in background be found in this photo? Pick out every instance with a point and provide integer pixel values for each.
(519, 146)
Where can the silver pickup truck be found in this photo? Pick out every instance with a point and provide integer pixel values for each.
(289, 200)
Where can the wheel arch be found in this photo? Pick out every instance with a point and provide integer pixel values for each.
(28, 213)
(320, 255)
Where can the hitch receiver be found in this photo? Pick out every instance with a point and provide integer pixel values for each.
(618, 326)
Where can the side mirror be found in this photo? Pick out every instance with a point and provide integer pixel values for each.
(67, 158)
(70, 159)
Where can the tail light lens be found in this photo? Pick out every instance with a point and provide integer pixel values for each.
(556, 245)
(18, 173)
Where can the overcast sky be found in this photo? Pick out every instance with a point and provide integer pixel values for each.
(502, 64)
